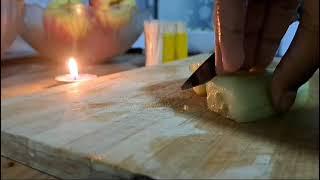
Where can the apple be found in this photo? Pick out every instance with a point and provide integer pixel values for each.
(114, 13)
(66, 20)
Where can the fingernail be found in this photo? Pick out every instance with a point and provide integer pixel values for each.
(286, 101)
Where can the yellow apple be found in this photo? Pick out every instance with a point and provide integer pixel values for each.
(114, 13)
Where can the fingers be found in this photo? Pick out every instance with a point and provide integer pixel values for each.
(279, 17)
(218, 59)
(254, 22)
(301, 60)
(229, 27)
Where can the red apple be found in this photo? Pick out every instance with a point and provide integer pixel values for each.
(66, 20)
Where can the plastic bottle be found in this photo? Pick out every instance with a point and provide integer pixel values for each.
(169, 44)
(181, 41)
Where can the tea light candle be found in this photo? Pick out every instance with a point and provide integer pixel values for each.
(74, 75)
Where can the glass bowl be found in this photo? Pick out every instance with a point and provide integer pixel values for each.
(79, 30)
(11, 21)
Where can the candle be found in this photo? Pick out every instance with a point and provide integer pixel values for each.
(73, 68)
(74, 75)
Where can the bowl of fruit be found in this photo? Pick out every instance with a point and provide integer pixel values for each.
(11, 21)
(90, 30)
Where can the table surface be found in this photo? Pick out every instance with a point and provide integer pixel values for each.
(37, 74)
(139, 122)
(11, 169)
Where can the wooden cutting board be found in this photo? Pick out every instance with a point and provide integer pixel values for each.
(140, 123)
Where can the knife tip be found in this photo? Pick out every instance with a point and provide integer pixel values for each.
(186, 86)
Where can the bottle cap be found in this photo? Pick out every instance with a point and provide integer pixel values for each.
(181, 27)
(169, 27)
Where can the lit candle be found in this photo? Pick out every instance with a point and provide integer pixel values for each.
(73, 68)
(74, 75)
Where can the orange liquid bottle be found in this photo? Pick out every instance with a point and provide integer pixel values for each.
(169, 42)
(181, 42)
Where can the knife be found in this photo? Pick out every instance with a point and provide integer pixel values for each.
(202, 75)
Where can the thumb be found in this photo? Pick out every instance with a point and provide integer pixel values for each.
(301, 60)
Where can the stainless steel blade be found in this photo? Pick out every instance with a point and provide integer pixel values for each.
(202, 75)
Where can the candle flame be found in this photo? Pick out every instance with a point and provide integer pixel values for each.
(78, 10)
(73, 68)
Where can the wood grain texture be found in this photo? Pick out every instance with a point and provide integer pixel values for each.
(13, 170)
(37, 74)
(140, 122)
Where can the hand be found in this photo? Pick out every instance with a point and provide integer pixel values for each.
(248, 33)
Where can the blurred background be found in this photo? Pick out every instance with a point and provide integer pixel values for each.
(196, 14)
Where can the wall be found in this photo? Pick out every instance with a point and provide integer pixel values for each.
(198, 16)
(196, 13)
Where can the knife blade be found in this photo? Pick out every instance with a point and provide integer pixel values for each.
(202, 75)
